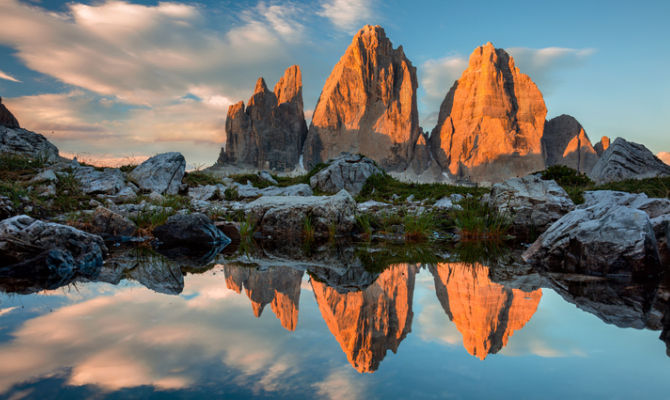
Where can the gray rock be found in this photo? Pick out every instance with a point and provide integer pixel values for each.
(23, 237)
(627, 160)
(191, 230)
(206, 192)
(654, 207)
(285, 216)
(26, 143)
(94, 181)
(300, 189)
(48, 175)
(111, 225)
(347, 171)
(161, 173)
(266, 176)
(605, 238)
(156, 197)
(444, 203)
(372, 205)
(124, 195)
(530, 201)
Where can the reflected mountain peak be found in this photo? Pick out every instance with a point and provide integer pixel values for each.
(486, 313)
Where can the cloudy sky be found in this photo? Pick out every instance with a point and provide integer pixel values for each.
(117, 80)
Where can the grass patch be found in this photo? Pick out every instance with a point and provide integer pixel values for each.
(255, 180)
(200, 178)
(388, 189)
(477, 221)
(146, 221)
(231, 194)
(378, 259)
(308, 229)
(419, 228)
(575, 184)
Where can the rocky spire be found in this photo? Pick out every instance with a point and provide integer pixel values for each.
(270, 132)
(565, 142)
(368, 105)
(603, 145)
(491, 121)
(486, 313)
(369, 322)
(6, 117)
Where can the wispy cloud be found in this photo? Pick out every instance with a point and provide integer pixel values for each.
(437, 77)
(6, 76)
(346, 15)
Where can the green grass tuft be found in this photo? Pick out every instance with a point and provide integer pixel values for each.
(478, 221)
(388, 189)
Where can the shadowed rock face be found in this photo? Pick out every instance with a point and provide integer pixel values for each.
(7, 118)
(486, 313)
(369, 322)
(368, 105)
(270, 132)
(627, 160)
(279, 287)
(565, 143)
(491, 121)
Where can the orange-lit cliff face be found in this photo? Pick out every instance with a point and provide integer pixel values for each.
(279, 287)
(486, 313)
(370, 322)
(491, 121)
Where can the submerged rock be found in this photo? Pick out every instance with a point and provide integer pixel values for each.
(347, 171)
(627, 160)
(532, 203)
(161, 173)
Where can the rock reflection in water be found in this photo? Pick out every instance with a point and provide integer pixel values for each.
(371, 321)
(486, 313)
(279, 287)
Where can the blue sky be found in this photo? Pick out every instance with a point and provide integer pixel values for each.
(113, 79)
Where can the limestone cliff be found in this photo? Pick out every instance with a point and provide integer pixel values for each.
(565, 142)
(368, 105)
(7, 118)
(369, 322)
(601, 146)
(491, 121)
(279, 287)
(270, 132)
(486, 313)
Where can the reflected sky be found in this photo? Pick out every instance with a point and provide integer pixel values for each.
(97, 339)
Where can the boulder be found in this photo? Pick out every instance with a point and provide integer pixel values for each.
(532, 203)
(491, 121)
(206, 192)
(627, 160)
(23, 237)
(48, 175)
(161, 173)
(26, 143)
(250, 191)
(7, 119)
(347, 171)
(6, 207)
(368, 105)
(111, 225)
(286, 217)
(270, 132)
(190, 230)
(100, 181)
(565, 142)
(606, 237)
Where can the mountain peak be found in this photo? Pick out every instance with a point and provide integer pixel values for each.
(7, 118)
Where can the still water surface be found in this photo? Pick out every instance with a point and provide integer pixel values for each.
(445, 330)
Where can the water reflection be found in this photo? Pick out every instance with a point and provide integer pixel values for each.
(486, 313)
(123, 336)
(369, 322)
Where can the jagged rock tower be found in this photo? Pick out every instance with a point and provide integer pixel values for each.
(270, 132)
(491, 121)
(566, 143)
(368, 105)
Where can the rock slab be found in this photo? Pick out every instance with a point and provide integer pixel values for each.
(347, 171)
(161, 173)
(627, 160)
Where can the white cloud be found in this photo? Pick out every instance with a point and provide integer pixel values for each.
(664, 156)
(6, 76)
(341, 383)
(545, 65)
(346, 15)
(437, 77)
